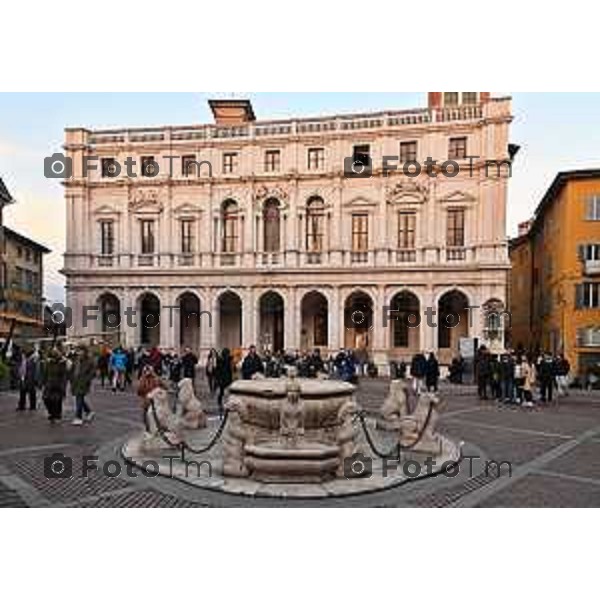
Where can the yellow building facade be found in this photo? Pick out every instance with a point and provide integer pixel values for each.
(555, 280)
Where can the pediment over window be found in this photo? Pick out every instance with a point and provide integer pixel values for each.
(360, 202)
(106, 211)
(186, 210)
(458, 197)
(407, 191)
(264, 192)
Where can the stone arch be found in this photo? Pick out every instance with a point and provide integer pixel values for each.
(314, 318)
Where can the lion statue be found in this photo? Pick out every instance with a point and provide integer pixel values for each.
(192, 414)
(395, 406)
(161, 419)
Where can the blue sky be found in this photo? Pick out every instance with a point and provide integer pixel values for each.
(557, 131)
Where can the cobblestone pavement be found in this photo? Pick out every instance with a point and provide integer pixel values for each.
(553, 453)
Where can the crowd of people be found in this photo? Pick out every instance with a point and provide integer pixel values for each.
(510, 377)
(514, 377)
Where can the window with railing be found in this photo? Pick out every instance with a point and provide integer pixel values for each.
(455, 228)
(107, 238)
(360, 237)
(187, 236)
(406, 230)
(147, 236)
(315, 225)
(271, 225)
(229, 219)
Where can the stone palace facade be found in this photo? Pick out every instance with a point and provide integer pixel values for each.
(246, 231)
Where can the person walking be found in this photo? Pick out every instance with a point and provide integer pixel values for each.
(82, 374)
(418, 370)
(28, 372)
(54, 381)
(529, 378)
(118, 365)
(482, 368)
(252, 364)
(104, 365)
(546, 374)
(224, 376)
(432, 373)
(507, 378)
(211, 370)
(563, 368)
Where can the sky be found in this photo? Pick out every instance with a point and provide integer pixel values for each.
(556, 132)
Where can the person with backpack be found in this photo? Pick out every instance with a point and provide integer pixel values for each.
(118, 365)
(81, 375)
(418, 370)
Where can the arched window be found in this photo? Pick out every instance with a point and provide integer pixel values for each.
(271, 225)
(315, 224)
(229, 219)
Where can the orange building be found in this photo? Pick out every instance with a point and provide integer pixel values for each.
(555, 282)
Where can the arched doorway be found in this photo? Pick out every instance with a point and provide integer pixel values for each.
(358, 321)
(109, 318)
(405, 325)
(315, 323)
(230, 320)
(453, 323)
(189, 321)
(271, 322)
(149, 322)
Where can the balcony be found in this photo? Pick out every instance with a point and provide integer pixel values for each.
(591, 267)
(359, 257)
(185, 260)
(105, 261)
(588, 337)
(456, 254)
(146, 260)
(314, 258)
(406, 256)
(228, 259)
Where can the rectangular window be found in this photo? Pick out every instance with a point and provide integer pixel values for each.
(469, 97)
(457, 148)
(149, 167)
(587, 295)
(189, 165)
(406, 230)
(109, 167)
(230, 162)
(107, 237)
(455, 232)
(187, 237)
(29, 281)
(316, 158)
(272, 160)
(450, 98)
(18, 279)
(590, 252)
(408, 152)
(360, 233)
(593, 209)
(147, 231)
(361, 154)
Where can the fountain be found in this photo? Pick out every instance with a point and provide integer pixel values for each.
(294, 437)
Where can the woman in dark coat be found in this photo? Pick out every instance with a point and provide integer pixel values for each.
(82, 374)
(432, 373)
(224, 375)
(54, 380)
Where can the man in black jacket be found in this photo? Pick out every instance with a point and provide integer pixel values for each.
(252, 364)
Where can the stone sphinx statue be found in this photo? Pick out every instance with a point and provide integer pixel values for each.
(412, 425)
(192, 415)
(395, 407)
(164, 419)
(291, 419)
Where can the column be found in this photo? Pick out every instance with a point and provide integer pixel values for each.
(333, 320)
(250, 320)
(292, 319)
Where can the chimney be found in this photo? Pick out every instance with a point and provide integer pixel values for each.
(230, 113)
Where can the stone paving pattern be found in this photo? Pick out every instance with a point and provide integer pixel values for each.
(554, 451)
